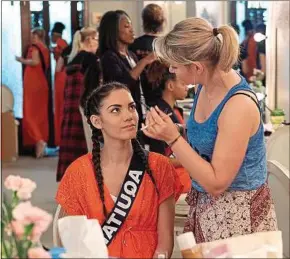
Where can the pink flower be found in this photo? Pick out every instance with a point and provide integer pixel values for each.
(26, 188)
(41, 220)
(38, 252)
(23, 186)
(13, 182)
(24, 194)
(27, 214)
(21, 211)
(17, 228)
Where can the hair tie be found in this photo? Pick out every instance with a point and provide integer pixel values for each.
(215, 31)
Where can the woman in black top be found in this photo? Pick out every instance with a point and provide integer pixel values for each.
(118, 63)
(73, 139)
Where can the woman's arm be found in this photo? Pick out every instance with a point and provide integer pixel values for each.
(230, 148)
(165, 227)
(34, 61)
(175, 162)
(59, 64)
(136, 71)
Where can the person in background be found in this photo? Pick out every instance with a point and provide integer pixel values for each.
(118, 63)
(249, 50)
(92, 184)
(243, 52)
(35, 94)
(169, 89)
(261, 57)
(225, 152)
(153, 24)
(153, 20)
(56, 38)
(59, 77)
(73, 142)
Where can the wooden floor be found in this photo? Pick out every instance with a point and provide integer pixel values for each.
(42, 171)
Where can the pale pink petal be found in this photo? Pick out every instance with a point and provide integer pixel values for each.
(17, 228)
(38, 252)
(13, 182)
(24, 194)
(21, 211)
(28, 184)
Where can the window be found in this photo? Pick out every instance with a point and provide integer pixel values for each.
(11, 45)
(36, 8)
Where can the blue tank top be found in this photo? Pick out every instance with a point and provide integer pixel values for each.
(202, 136)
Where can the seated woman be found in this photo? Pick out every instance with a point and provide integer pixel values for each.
(130, 191)
(168, 89)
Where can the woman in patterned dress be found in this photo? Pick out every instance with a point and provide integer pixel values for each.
(226, 153)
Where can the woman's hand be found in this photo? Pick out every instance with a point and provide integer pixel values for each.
(160, 126)
(150, 58)
(19, 59)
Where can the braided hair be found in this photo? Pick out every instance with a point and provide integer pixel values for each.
(92, 107)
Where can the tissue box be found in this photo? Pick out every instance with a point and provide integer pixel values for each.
(9, 137)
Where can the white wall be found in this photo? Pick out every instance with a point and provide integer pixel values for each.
(11, 71)
(215, 11)
(277, 55)
(130, 7)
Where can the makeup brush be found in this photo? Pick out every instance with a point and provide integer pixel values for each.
(153, 123)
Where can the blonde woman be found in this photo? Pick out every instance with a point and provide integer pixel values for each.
(73, 142)
(226, 154)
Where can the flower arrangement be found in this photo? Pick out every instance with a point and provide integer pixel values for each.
(22, 224)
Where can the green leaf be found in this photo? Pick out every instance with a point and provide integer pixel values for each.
(15, 200)
(6, 249)
(278, 112)
(28, 229)
(6, 208)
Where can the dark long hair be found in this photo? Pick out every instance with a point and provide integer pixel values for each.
(158, 75)
(93, 78)
(109, 31)
(92, 107)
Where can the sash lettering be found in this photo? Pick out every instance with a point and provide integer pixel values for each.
(125, 199)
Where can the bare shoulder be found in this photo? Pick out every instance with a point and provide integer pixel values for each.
(242, 105)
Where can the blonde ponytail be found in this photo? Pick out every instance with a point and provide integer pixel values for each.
(229, 51)
(79, 38)
(194, 39)
(75, 46)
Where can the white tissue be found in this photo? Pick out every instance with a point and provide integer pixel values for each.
(82, 237)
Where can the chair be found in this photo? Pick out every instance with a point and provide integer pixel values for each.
(7, 99)
(278, 146)
(58, 214)
(278, 180)
(181, 211)
(9, 127)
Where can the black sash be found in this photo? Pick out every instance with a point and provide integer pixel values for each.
(125, 199)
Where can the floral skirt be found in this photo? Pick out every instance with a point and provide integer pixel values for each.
(230, 214)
